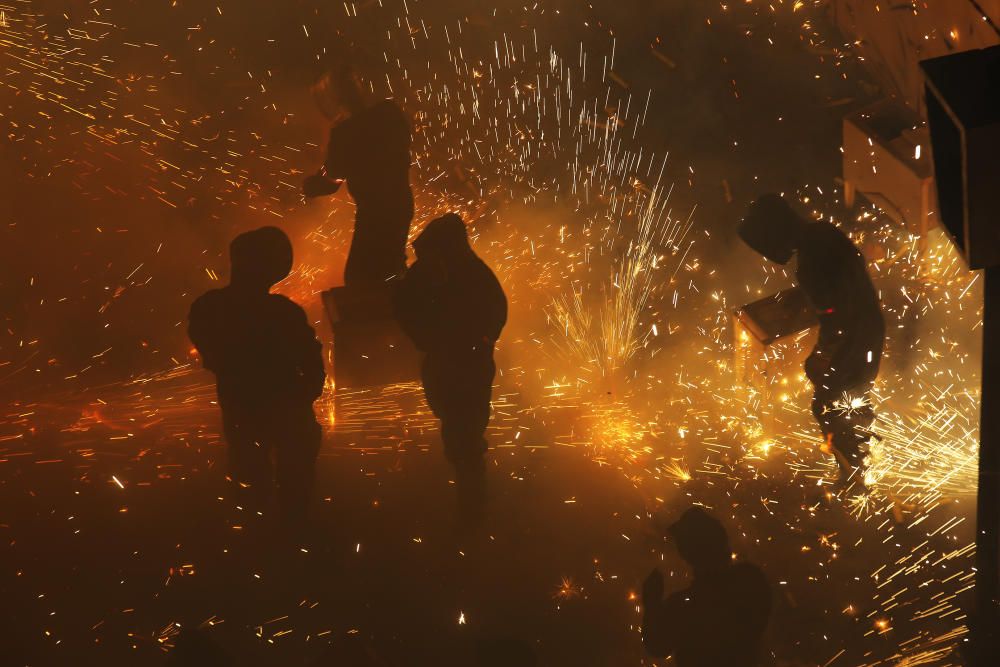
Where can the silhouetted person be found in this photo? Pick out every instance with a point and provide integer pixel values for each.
(453, 308)
(268, 368)
(720, 618)
(369, 149)
(845, 362)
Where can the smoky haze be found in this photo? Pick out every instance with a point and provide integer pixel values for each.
(142, 137)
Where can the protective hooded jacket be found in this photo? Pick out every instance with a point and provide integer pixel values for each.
(449, 301)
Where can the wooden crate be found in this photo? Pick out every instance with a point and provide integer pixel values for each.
(773, 337)
(369, 348)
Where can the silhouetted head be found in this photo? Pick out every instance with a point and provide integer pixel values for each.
(701, 540)
(771, 228)
(443, 238)
(338, 91)
(260, 258)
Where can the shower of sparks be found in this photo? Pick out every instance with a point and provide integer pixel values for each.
(567, 590)
(506, 127)
(614, 430)
(614, 336)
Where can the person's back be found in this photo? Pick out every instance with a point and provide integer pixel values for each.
(721, 618)
(371, 152)
(268, 367)
(260, 347)
(844, 364)
(833, 274)
(453, 308)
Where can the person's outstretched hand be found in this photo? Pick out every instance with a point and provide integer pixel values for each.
(318, 185)
(652, 588)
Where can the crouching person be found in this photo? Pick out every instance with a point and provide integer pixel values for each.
(453, 308)
(268, 368)
(833, 274)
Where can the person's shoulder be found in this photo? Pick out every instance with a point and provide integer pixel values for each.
(389, 107)
(827, 234)
(481, 265)
(493, 277)
(822, 231)
(390, 112)
(748, 576)
(825, 240)
(209, 300)
(283, 305)
(479, 271)
(748, 570)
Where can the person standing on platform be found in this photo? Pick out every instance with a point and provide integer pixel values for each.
(369, 150)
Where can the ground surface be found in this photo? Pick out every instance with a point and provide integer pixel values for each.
(118, 526)
(121, 526)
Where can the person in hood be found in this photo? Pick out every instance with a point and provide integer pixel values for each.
(369, 150)
(845, 362)
(721, 617)
(268, 368)
(453, 308)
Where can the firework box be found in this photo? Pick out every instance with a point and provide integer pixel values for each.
(773, 337)
(369, 348)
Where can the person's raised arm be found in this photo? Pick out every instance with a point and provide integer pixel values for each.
(338, 155)
(328, 179)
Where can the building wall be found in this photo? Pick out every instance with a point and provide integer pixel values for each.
(894, 35)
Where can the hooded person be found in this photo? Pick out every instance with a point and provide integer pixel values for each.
(845, 362)
(453, 308)
(721, 617)
(268, 367)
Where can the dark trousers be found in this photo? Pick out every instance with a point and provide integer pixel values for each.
(291, 438)
(458, 389)
(378, 249)
(846, 429)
